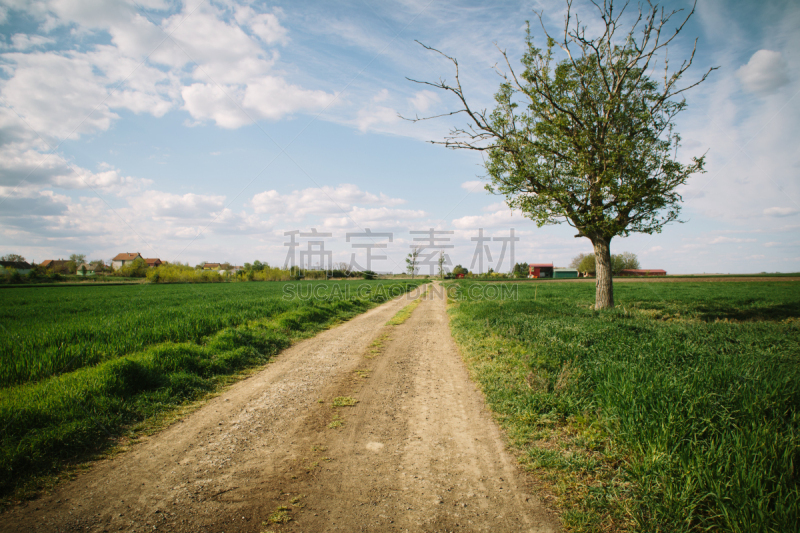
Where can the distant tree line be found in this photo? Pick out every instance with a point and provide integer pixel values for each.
(619, 262)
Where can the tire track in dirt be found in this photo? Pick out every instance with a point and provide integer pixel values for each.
(418, 452)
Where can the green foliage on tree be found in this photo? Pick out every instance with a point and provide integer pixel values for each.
(458, 269)
(576, 261)
(624, 261)
(521, 270)
(16, 258)
(589, 138)
(135, 269)
(587, 264)
(619, 262)
(78, 259)
(412, 260)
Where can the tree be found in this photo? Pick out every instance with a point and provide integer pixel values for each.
(78, 259)
(619, 262)
(588, 264)
(441, 262)
(16, 258)
(623, 261)
(521, 270)
(412, 260)
(135, 269)
(458, 269)
(576, 261)
(588, 139)
(344, 267)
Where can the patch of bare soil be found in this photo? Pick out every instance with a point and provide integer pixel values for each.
(417, 451)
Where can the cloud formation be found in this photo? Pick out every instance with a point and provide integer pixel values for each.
(765, 73)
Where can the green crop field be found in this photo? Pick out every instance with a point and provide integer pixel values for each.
(679, 411)
(81, 366)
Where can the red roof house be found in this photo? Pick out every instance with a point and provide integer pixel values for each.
(56, 265)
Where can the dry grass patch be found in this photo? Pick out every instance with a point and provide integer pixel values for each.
(281, 515)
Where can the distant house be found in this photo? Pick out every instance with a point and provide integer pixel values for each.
(22, 267)
(56, 265)
(642, 272)
(211, 266)
(540, 270)
(90, 269)
(153, 262)
(124, 259)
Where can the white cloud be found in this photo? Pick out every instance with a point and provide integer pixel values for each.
(764, 73)
(189, 234)
(494, 206)
(144, 69)
(384, 218)
(325, 201)
(382, 96)
(505, 218)
(424, 100)
(726, 240)
(211, 102)
(780, 211)
(27, 169)
(272, 98)
(473, 186)
(21, 205)
(265, 25)
(163, 204)
(21, 41)
(374, 116)
(57, 96)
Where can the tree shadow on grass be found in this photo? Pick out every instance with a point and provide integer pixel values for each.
(748, 313)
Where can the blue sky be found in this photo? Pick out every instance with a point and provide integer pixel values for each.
(203, 131)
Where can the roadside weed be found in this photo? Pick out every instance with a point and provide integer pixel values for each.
(344, 401)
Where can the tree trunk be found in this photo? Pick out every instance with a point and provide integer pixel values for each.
(604, 297)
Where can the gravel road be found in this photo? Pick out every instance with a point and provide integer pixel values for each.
(419, 451)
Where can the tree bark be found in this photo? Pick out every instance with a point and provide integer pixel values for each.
(604, 296)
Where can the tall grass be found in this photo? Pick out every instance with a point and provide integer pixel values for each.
(675, 412)
(69, 417)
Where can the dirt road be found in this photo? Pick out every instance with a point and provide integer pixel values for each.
(417, 452)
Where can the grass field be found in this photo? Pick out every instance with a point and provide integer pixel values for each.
(81, 366)
(679, 411)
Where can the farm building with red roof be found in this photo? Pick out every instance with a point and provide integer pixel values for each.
(540, 270)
